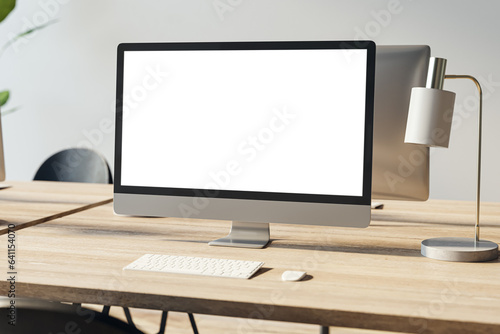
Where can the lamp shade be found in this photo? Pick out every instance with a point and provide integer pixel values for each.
(429, 117)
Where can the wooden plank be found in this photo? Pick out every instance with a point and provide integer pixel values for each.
(370, 278)
(30, 203)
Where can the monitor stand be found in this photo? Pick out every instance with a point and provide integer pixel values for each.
(246, 235)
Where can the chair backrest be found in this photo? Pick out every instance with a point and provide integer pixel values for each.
(37, 316)
(75, 165)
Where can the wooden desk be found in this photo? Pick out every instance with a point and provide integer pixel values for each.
(31, 203)
(370, 278)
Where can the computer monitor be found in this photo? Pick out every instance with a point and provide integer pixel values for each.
(400, 171)
(250, 132)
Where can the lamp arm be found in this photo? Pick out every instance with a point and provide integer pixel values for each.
(480, 121)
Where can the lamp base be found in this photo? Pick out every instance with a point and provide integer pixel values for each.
(459, 249)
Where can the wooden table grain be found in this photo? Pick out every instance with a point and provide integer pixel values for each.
(373, 278)
(30, 203)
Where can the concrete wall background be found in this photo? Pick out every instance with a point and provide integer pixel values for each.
(63, 77)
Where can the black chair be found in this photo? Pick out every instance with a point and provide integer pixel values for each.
(38, 316)
(75, 165)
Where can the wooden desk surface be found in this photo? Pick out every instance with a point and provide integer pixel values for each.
(29, 203)
(371, 278)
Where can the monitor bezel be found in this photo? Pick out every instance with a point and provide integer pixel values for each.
(364, 199)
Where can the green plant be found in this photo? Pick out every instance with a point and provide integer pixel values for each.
(6, 7)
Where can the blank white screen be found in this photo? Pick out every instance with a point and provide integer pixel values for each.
(288, 121)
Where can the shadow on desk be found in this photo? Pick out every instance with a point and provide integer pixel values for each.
(374, 250)
(433, 220)
(328, 248)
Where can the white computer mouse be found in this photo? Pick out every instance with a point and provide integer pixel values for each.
(291, 275)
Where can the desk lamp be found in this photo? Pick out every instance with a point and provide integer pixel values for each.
(429, 123)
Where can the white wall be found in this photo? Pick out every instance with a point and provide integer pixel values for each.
(64, 76)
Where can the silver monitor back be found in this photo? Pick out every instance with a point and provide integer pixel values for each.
(400, 171)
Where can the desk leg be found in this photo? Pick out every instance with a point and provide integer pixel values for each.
(163, 322)
(105, 311)
(324, 330)
(129, 317)
(193, 323)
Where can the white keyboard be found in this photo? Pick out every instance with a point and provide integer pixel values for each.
(195, 266)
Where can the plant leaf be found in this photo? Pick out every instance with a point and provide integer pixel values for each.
(6, 6)
(9, 111)
(4, 97)
(27, 32)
